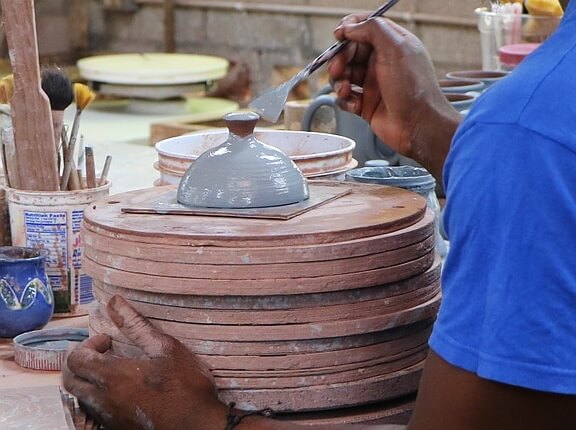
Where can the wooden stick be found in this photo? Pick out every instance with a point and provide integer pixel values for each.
(31, 115)
(169, 16)
(5, 164)
(80, 179)
(105, 169)
(90, 168)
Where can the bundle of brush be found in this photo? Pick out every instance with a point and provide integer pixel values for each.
(58, 88)
(71, 179)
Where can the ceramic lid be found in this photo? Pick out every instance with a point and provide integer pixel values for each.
(242, 172)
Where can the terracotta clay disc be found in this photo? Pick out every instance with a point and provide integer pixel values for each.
(337, 377)
(209, 347)
(364, 324)
(377, 389)
(267, 302)
(263, 271)
(164, 252)
(389, 412)
(338, 312)
(257, 287)
(368, 210)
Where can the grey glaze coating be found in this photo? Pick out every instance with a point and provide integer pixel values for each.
(242, 173)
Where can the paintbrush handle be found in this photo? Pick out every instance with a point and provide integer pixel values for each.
(31, 115)
(336, 47)
(105, 170)
(90, 168)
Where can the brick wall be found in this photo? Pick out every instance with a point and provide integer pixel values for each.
(270, 35)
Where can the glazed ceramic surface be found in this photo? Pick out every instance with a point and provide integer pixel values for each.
(26, 300)
(488, 77)
(460, 86)
(461, 102)
(242, 172)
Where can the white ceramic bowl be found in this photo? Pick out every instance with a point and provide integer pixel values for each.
(314, 153)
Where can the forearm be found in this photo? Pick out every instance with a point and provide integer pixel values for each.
(432, 136)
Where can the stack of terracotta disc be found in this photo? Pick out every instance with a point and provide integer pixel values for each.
(329, 310)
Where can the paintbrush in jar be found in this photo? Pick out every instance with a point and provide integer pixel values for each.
(83, 96)
(58, 88)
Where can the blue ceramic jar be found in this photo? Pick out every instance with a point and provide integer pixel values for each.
(26, 299)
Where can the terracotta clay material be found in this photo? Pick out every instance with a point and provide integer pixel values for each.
(208, 347)
(389, 386)
(330, 309)
(388, 412)
(263, 255)
(292, 301)
(278, 317)
(372, 323)
(216, 287)
(368, 210)
(327, 378)
(264, 271)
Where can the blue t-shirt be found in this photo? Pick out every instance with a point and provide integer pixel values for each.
(509, 283)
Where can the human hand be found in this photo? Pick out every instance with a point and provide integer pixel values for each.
(168, 388)
(386, 76)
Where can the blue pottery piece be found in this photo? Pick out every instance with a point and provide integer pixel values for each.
(26, 299)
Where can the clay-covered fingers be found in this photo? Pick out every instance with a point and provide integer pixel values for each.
(89, 362)
(138, 329)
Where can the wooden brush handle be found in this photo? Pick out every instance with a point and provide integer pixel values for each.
(31, 115)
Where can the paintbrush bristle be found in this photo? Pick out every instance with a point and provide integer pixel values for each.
(3, 95)
(7, 84)
(57, 87)
(83, 95)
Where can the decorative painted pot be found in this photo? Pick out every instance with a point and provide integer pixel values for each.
(26, 299)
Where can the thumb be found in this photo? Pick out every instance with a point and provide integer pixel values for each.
(138, 329)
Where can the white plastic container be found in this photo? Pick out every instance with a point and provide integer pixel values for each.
(51, 220)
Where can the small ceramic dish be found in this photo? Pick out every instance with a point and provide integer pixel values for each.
(461, 102)
(488, 77)
(460, 85)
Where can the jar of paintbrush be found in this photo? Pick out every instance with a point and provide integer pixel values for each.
(51, 219)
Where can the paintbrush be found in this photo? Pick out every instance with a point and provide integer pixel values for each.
(90, 168)
(83, 96)
(58, 88)
(105, 170)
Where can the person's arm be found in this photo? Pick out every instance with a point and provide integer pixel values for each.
(386, 76)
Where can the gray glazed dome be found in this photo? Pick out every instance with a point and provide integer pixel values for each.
(242, 172)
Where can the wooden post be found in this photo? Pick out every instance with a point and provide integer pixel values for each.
(31, 115)
(169, 16)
